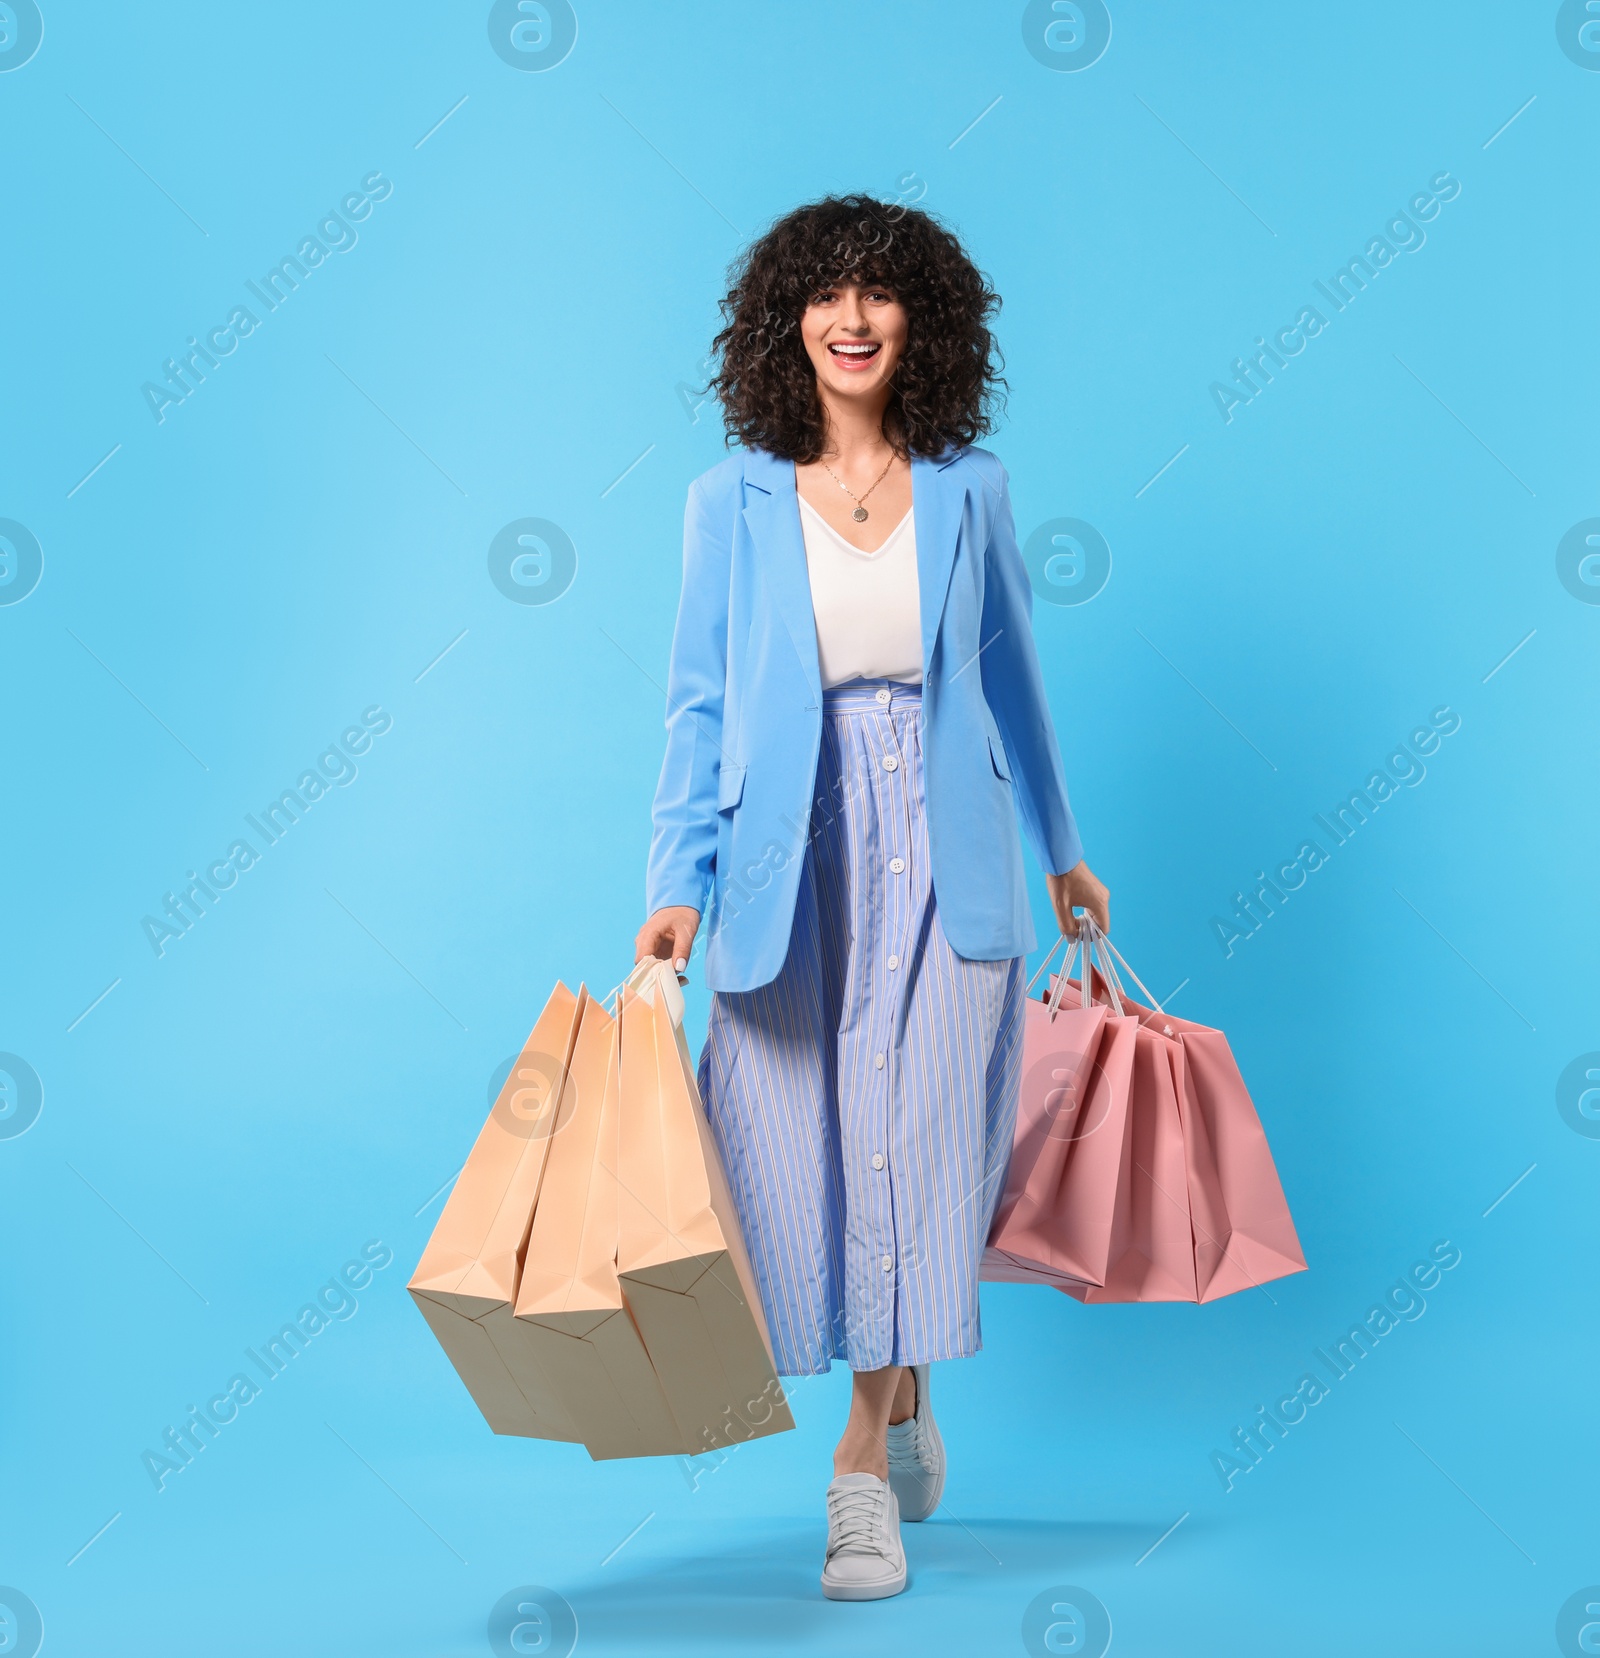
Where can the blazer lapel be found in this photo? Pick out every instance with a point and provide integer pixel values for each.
(938, 497)
(772, 513)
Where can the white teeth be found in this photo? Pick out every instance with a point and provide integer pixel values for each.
(855, 350)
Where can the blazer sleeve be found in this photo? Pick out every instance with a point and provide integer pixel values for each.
(1013, 686)
(683, 842)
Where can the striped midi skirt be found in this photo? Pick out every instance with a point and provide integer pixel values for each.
(864, 1100)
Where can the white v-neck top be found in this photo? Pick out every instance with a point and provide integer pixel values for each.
(867, 605)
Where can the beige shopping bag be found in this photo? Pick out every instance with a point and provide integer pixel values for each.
(680, 1255)
(467, 1280)
(571, 1322)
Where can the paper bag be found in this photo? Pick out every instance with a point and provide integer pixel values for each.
(1061, 1217)
(571, 1321)
(1182, 1202)
(1152, 1253)
(1244, 1234)
(680, 1254)
(466, 1282)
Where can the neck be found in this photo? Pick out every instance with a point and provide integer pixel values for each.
(854, 428)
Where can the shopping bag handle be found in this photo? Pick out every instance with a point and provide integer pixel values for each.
(1080, 949)
(1111, 955)
(1116, 990)
(649, 977)
(1094, 945)
(1049, 956)
(1062, 974)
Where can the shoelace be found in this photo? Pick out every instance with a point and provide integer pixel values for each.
(905, 1445)
(905, 1440)
(854, 1521)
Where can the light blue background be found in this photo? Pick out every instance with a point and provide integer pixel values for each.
(1362, 544)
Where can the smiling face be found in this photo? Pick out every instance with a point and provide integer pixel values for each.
(854, 335)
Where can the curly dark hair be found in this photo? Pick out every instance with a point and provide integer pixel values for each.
(947, 383)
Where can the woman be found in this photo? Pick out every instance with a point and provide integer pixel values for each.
(855, 722)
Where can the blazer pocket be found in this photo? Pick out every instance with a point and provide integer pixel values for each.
(997, 754)
(730, 787)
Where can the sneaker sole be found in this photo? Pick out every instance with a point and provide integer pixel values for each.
(881, 1589)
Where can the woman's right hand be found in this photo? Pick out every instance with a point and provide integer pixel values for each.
(668, 936)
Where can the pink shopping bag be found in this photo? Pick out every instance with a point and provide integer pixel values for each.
(1196, 1210)
(1056, 1216)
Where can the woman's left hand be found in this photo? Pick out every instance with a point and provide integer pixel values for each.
(1079, 886)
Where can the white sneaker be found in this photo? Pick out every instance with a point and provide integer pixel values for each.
(916, 1456)
(865, 1560)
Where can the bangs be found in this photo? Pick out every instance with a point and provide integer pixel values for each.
(839, 246)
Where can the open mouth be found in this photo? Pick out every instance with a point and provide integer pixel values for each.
(854, 354)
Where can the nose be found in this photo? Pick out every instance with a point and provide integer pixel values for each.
(851, 318)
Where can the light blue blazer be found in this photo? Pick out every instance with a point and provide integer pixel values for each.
(744, 716)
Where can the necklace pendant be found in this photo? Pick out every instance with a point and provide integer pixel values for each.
(860, 515)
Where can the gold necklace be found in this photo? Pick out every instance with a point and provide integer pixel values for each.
(859, 512)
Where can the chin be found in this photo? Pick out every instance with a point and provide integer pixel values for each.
(854, 385)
